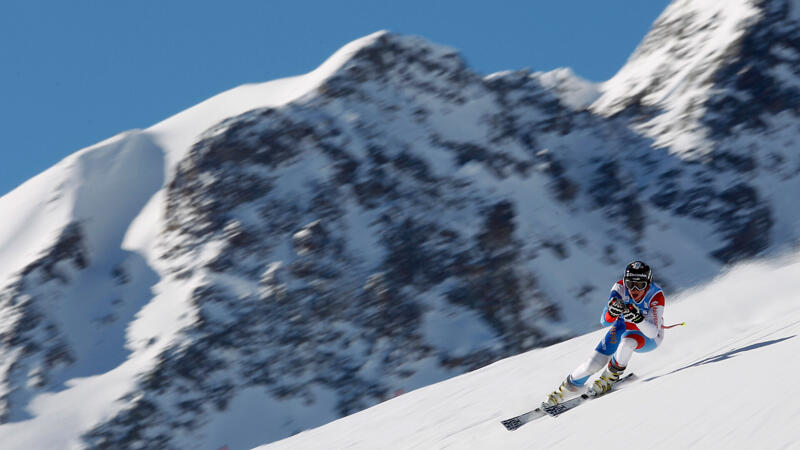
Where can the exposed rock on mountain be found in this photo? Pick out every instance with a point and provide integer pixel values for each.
(402, 219)
(31, 340)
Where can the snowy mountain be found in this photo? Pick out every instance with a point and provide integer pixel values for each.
(299, 250)
(704, 387)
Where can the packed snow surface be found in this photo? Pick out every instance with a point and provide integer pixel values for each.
(718, 382)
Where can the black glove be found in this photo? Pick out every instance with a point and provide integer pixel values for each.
(615, 307)
(632, 314)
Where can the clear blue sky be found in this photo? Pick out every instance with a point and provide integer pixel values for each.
(73, 73)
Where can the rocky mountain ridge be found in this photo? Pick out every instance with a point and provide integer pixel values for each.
(407, 220)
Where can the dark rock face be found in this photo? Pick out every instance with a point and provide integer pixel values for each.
(745, 223)
(31, 335)
(756, 85)
(348, 234)
(496, 286)
(321, 312)
(732, 114)
(333, 234)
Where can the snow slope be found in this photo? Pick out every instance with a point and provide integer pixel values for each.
(172, 138)
(674, 66)
(129, 313)
(723, 381)
(115, 191)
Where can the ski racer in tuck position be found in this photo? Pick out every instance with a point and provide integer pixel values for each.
(634, 311)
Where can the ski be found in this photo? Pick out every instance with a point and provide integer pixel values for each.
(556, 410)
(561, 408)
(518, 421)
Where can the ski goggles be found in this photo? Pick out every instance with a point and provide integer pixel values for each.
(636, 285)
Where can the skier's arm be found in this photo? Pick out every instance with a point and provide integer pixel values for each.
(607, 318)
(652, 322)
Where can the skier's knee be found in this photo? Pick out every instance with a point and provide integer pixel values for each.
(590, 366)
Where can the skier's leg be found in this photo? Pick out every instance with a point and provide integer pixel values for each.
(610, 375)
(649, 344)
(631, 340)
(643, 345)
(600, 357)
(582, 373)
(624, 352)
(611, 340)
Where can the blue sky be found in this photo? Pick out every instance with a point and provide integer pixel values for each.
(73, 73)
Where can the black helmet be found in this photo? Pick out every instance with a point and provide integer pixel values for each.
(637, 276)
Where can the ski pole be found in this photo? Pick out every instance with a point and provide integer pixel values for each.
(682, 324)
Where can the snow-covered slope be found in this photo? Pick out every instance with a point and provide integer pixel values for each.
(710, 70)
(88, 308)
(712, 384)
(305, 248)
(717, 83)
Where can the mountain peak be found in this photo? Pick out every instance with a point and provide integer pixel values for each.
(571, 89)
(383, 54)
(307, 247)
(686, 44)
(704, 63)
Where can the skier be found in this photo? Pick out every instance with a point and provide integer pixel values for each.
(634, 311)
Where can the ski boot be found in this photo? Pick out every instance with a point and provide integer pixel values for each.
(564, 392)
(604, 383)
